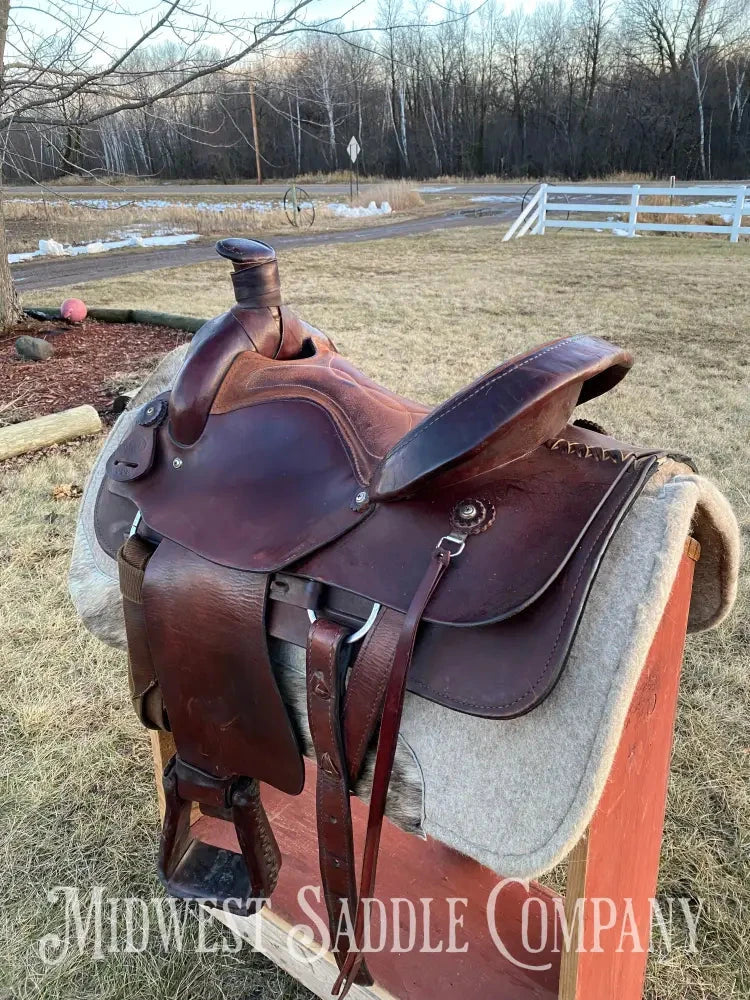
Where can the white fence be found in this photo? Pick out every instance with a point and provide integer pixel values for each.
(620, 215)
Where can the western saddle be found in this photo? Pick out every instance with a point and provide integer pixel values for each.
(277, 492)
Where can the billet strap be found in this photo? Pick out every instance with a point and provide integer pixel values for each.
(132, 559)
(326, 667)
(386, 752)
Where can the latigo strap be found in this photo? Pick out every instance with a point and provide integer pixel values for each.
(387, 742)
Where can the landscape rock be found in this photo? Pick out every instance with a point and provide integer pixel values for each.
(33, 349)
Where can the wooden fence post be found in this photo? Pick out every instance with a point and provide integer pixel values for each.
(541, 225)
(633, 216)
(739, 208)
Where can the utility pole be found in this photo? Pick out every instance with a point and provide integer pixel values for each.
(255, 133)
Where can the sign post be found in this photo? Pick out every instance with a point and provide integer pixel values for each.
(353, 149)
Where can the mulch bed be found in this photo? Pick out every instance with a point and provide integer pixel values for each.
(85, 366)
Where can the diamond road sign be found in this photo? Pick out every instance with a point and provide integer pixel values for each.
(353, 149)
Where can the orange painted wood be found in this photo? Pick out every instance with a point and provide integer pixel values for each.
(625, 835)
(621, 861)
(412, 869)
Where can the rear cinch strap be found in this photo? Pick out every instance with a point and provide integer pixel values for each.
(387, 742)
(132, 559)
(326, 666)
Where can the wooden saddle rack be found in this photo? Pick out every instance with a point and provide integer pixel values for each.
(277, 492)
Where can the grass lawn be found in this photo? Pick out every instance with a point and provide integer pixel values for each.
(424, 315)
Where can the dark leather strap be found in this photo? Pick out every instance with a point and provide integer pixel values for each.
(132, 559)
(387, 742)
(326, 666)
(365, 689)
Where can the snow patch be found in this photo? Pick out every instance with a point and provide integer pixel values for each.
(341, 210)
(497, 197)
(718, 208)
(51, 248)
(434, 190)
(217, 207)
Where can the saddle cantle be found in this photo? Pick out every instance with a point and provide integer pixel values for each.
(276, 491)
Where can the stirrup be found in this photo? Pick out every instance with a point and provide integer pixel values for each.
(191, 869)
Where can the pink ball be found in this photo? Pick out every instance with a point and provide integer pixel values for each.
(73, 310)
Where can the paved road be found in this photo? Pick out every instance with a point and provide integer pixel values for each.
(235, 191)
(277, 189)
(53, 272)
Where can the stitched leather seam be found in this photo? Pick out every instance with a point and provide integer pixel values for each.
(439, 414)
(315, 390)
(261, 825)
(535, 682)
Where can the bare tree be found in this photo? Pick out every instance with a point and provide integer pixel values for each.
(572, 87)
(69, 66)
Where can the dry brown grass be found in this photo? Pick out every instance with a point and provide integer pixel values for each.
(668, 218)
(69, 222)
(414, 313)
(86, 179)
(334, 177)
(619, 213)
(400, 195)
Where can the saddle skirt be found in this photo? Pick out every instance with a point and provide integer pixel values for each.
(277, 491)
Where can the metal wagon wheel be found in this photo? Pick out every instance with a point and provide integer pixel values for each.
(299, 207)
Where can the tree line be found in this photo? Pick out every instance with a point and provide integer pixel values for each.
(588, 88)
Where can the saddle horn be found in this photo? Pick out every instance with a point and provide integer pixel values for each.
(256, 272)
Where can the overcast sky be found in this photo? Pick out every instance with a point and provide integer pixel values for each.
(125, 20)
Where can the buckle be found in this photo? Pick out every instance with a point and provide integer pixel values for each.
(361, 631)
(457, 538)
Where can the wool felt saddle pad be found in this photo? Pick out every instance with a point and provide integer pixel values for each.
(527, 787)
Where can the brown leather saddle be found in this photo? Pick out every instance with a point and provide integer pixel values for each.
(279, 492)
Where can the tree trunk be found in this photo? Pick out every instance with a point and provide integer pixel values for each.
(10, 309)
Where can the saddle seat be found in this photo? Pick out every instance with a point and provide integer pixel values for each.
(277, 491)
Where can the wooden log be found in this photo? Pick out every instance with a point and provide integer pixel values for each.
(41, 432)
(188, 323)
(114, 314)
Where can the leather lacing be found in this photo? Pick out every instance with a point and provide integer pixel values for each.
(596, 452)
(267, 847)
